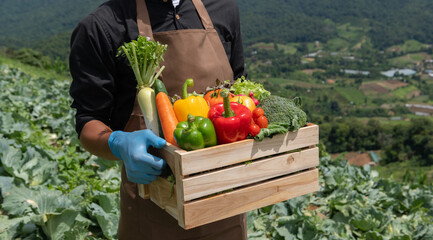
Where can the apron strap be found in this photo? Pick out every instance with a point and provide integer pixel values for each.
(143, 20)
(204, 15)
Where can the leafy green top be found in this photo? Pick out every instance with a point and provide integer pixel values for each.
(243, 86)
(144, 57)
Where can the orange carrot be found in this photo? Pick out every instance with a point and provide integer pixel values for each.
(166, 116)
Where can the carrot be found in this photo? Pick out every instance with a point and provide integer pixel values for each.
(166, 116)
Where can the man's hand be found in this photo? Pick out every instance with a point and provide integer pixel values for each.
(131, 147)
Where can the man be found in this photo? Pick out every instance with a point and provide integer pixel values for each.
(204, 43)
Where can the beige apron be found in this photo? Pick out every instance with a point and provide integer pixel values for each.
(191, 53)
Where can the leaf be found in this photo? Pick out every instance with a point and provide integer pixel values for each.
(11, 160)
(9, 233)
(373, 236)
(107, 221)
(77, 232)
(284, 232)
(5, 185)
(260, 224)
(281, 209)
(257, 236)
(15, 203)
(10, 225)
(24, 201)
(50, 209)
(58, 224)
(370, 219)
(30, 166)
(109, 202)
(402, 237)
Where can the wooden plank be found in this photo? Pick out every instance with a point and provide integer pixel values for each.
(170, 154)
(163, 195)
(143, 191)
(214, 182)
(228, 154)
(179, 196)
(222, 206)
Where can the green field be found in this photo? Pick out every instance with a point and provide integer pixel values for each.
(407, 60)
(31, 70)
(352, 94)
(398, 171)
(337, 44)
(403, 92)
(350, 36)
(408, 46)
(289, 48)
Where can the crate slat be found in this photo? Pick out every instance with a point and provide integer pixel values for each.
(163, 195)
(257, 171)
(229, 154)
(243, 200)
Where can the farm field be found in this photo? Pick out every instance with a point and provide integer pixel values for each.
(400, 171)
(408, 60)
(52, 189)
(352, 94)
(373, 88)
(392, 84)
(407, 92)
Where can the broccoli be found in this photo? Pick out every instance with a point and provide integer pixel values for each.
(282, 113)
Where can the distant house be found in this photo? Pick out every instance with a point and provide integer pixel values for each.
(349, 58)
(405, 72)
(374, 157)
(355, 72)
(430, 74)
(330, 81)
(312, 55)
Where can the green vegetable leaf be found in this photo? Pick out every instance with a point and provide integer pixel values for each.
(58, 224)
(243, 86)
(144, 57)
(107, 221)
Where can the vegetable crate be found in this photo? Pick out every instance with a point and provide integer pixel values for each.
(225, 180)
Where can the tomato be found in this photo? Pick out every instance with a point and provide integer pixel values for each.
(262, 121)
(254, 129)
(213, 97)
(258, 112)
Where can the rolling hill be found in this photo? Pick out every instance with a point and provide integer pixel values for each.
(38, 23)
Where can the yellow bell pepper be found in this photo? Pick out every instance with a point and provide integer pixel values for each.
(193, 104)
(244, 100)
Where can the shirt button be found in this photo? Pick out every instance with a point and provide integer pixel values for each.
(177, 16)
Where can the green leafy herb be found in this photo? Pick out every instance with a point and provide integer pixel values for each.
(144, 57)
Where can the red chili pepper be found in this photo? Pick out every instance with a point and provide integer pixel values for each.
(230, 119)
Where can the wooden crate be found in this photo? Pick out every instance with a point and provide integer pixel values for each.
(226, 180)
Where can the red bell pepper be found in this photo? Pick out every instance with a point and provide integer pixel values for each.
(231, 120)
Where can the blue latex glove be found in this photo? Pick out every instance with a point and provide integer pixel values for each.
(141, 167)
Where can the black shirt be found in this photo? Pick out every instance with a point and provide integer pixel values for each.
(104, 85)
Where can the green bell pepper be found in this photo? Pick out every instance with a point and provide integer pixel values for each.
(196, 133)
